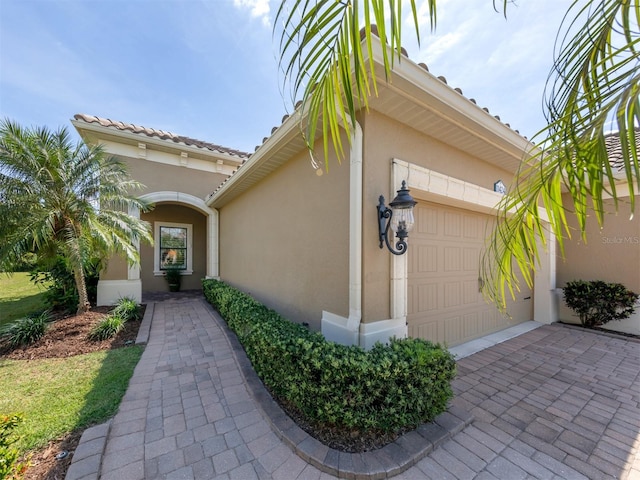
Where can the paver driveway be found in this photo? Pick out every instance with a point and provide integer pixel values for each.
(555, 402)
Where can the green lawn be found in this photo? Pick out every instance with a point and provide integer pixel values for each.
(58, 396)
(19, 297)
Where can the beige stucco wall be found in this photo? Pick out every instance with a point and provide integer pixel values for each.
(385, 140)
(175, 214)
(285, 241)
(611, 254)
(116, 269)
(158, 177)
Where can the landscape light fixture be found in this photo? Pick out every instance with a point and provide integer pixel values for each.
(398, 216)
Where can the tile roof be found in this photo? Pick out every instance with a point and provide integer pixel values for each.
(614, 148)
(612, 140)
(162, 135)
(374, 31)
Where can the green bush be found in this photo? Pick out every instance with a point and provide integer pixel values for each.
(62, 292)
(127, 309)
(597, 302)
(107, 328)
(27, 263)
(26, 330)
(9, 466)
(388, 388)
(173, 276)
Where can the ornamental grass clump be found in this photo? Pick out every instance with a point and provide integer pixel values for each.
(107, 328)
(390, 388)
(127, 309)
(26, 330)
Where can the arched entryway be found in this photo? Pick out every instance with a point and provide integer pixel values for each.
(185, 214)
(178, 210)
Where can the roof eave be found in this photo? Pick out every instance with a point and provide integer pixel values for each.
(455, 107)
(475, 119)
(262, 161)
(82, 126)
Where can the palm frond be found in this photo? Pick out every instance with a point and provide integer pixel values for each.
(592, 90)
(322, 55)
(64, 198)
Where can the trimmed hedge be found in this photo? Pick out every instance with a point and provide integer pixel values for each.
(388, 388)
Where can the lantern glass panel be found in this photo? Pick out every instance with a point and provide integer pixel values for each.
(402, 218)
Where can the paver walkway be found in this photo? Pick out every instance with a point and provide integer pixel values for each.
(552, 403)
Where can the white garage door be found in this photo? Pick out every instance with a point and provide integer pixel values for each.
(444, 301)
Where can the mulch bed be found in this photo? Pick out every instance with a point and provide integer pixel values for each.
(66, 337)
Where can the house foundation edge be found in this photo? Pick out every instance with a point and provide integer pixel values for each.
(110, 291)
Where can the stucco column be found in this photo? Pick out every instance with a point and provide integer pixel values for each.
(355, 231)
(133, 272)
(213, 254)
(399, 263)
(396, 325)
(545, 308)
(335, 327)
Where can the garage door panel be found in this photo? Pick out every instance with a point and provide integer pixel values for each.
(490, 320)
(429, 330)
(427, 259)
(470, 292)
(452, 295)
(428, 297)
(470, 259)
(452, 259)
(445, 303)
(454, 329)
(472, 227)
(453, 225)
(426, 221)
(472, 324)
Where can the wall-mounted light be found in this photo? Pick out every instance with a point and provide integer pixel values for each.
(399, 217)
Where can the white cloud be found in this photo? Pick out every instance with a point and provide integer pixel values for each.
(258, 8)
(444, 44)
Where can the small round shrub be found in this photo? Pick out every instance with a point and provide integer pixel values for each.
(597, 302)
(26, 330)
(127, 309)
(107, 328)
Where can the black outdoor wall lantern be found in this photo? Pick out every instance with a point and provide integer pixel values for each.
(399, 217)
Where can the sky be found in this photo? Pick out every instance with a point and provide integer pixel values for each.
(208, 69)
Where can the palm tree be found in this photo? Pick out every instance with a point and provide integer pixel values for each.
(593, 86)
(62, 198)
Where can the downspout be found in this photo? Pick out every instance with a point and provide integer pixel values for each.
(355, 231)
